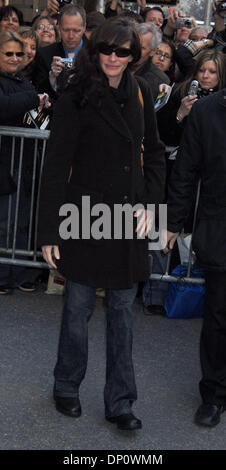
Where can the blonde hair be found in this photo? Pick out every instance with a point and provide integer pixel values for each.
(10, 36)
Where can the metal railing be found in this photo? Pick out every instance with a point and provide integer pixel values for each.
(166, 277)
(13, 255)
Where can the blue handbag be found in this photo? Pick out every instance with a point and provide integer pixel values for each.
(185, 300)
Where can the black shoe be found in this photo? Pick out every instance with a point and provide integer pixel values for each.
(208, 415)
(4, 290)
(126, 421)
(27, 287)
(155, 310)
(68, 406)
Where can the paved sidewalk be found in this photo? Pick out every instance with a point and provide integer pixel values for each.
(167, 370)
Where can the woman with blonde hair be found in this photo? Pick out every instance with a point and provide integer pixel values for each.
(31, 43)
(210, 73)
(46, 30)
(17, 97)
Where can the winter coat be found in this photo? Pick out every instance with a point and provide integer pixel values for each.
(203, 155)
(101, 142)
(153, 75)
(17, 96)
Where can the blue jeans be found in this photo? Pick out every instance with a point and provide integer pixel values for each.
(120, 388)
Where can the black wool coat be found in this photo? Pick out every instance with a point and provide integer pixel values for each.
(101, 142)
(17, 96)
(202, 155)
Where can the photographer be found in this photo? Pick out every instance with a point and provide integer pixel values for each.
(49, 64)
(178, 27)
(209, 71)
(218, 35)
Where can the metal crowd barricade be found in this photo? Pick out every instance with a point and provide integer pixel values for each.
(9, 254)
(166, 277)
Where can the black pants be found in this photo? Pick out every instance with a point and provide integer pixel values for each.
(213, 340)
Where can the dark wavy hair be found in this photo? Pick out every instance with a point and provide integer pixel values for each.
(8, 11)
(87, 73)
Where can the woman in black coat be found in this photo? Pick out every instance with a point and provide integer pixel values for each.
(17, 96)
(95, 151)
(203, 155)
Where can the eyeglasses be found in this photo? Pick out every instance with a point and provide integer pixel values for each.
(11, 54)
(49, 27)
(106, 49)
(164, 56)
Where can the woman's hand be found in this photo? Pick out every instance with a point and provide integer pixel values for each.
(171, 24)
(48, 251)
(43, 101)
(164, 88)
(144, 222)
(185, 107)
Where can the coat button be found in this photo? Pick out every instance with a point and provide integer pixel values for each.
(127, 169)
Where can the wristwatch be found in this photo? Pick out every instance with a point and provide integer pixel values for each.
(205, 41)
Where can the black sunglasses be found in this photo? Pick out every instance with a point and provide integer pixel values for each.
(106, 49)
(11, 54)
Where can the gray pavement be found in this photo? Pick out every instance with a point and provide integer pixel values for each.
(167, 369)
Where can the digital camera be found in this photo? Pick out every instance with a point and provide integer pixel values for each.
(68, 62)
(184, 21)
(220, 7)
(62, 3)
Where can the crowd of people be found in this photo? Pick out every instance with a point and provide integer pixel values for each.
(100, 76)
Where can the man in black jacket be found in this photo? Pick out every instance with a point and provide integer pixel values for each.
(203, 155)
(49, 66)
(150, 38)
(219, 32)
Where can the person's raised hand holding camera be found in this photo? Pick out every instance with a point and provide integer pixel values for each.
(53, 6)
(171, 24)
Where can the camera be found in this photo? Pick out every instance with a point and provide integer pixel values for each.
(184, 21)
(62, 3)
(68, 62)
(220, 7)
